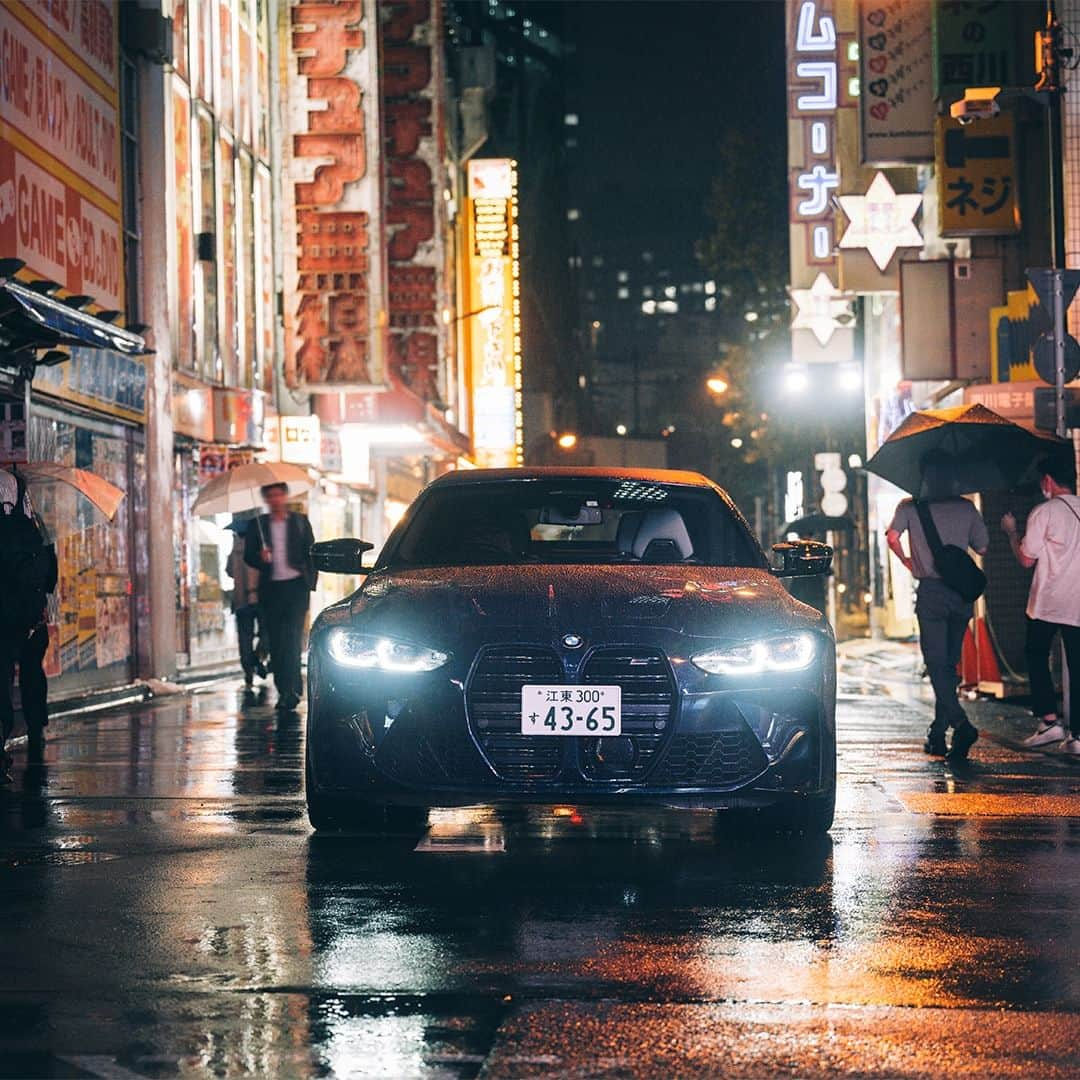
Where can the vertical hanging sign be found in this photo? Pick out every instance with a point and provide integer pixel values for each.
(896, 82)
(493, 320)
(333, 244)
(813, 77)
(413, 146)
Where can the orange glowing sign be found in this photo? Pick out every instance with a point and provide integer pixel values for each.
(493, 316)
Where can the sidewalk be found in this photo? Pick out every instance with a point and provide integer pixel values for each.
(896, 668)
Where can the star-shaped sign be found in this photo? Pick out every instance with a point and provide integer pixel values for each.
(821, 309)
(881, 221)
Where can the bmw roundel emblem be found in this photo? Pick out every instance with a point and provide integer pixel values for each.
(573, 641)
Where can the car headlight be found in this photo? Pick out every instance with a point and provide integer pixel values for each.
(355, 650)
(794, 652)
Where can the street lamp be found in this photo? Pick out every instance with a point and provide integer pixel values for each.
(566, 441)
(716, 384)
(796, 379)
(620, 429)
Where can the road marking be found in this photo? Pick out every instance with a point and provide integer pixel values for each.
(984, 804)
(101, 1066)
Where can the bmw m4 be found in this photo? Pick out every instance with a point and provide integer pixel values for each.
(571, 636)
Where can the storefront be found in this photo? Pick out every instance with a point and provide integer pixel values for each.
(215, 430)
(89, 413)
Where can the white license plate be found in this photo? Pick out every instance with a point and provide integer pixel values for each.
(571, 710)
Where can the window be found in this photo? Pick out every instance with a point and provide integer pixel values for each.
(573, 214)
(575, 521)
(623, 276)
(571, 119)
(129, 171)
(206, 290)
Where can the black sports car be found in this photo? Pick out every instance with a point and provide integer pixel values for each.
(571, 636)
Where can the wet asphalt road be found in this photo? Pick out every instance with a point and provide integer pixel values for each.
(165, 911)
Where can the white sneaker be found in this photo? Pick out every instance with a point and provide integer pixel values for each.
(1070, 746)
(1045, 734)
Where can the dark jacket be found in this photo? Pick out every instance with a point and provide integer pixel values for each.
(300, 539)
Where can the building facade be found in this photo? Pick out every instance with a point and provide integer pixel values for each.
(277, 200)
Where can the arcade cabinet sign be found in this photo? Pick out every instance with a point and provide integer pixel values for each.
(60, 183)
(492, 320)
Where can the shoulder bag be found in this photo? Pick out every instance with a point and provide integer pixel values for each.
(956, 567)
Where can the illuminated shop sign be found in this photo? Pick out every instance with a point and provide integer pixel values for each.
(881, 221)
(814, 96)
(60, 145)
(333, 263)
(493, 319)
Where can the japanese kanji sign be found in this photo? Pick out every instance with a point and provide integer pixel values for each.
(896, 78)
(973, 46)
(977, 178)
(332, 211)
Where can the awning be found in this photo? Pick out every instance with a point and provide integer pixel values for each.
(31, 320)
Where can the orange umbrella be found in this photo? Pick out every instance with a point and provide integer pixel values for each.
(104, 497)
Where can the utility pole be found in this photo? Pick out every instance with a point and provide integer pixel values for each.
(1050, 55)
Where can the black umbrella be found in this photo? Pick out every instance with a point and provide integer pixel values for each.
(985, 451)
(819, 523)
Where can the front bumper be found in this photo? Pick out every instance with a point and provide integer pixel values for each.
(422, 741)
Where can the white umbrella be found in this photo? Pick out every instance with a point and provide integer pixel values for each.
(237, 490)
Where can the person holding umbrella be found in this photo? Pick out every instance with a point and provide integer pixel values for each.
(940, 521)
(278, 545)
(1051, 543)
(28, 574)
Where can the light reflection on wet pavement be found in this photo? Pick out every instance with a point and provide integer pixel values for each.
(167, 912)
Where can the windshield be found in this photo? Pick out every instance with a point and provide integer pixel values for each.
(573, 521)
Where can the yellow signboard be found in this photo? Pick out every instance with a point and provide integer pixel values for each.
(977, 176)
(492, 319)
(1012, 338)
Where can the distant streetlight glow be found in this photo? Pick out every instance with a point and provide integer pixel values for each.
(796, 380)
(849, 378)
(620, 429)
(736, 444)
(854, 461)
(751, 316)
(716, 384)
(567, 441)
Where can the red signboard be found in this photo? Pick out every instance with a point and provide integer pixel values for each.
(59, 144)
(334, 262)
(412, 111)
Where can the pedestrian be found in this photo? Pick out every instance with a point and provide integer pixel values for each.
(278, 545)
(942, 612)
(1051, 543)
(28, 573)
(245, 605)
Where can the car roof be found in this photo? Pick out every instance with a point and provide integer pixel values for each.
(463, 477)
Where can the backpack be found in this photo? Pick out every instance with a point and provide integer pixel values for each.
(956, 567)
(26, 567)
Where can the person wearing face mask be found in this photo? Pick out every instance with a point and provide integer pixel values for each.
(1051, 543)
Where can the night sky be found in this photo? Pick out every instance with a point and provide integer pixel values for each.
(656, 82)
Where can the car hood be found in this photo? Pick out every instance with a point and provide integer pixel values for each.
(439, 605)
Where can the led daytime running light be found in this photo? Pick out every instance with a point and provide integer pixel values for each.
(381, 654)
(792, 653)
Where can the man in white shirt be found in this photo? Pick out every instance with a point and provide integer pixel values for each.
(1051, 544)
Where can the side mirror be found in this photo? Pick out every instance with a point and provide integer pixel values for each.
(803, 558)
(343, 556)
